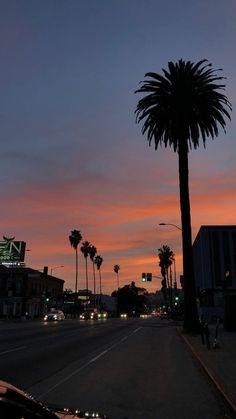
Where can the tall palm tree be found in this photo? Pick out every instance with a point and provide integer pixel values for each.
(166, 258)
(182, 106)
(75, 238)
(85, 249)
(92, 254)
(116, 270)
(98, 262)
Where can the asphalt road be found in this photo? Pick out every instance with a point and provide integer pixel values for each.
(125, 368)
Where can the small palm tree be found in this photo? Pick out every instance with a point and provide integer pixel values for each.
(85, 249)
(116, 270)
(92, 254)
(181, 106)
(98, 262)
(75, 238)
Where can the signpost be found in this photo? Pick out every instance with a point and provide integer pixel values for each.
(11, 251)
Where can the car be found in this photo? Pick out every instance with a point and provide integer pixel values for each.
(164, 315)
(15, 403)
(54, 315)
(123, 315)
(102, 315)
(89, 315)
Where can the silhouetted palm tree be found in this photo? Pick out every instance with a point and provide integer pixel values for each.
(166, 258)
(98, 262)
(85, 249)
(182, 106)
(116, 270)
(75, 238)
(92, 254)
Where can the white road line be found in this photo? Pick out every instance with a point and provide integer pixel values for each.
(99, 356)
(13, 350)
(64, 379)
(117, 343)
(136, 330)
(86, 364)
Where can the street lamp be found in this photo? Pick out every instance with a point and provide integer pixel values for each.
(170, 224)
(55, 267)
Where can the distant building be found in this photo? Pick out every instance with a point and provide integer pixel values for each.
(26, 292)
(214, 253)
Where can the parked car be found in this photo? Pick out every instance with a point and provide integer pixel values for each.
(54, 315)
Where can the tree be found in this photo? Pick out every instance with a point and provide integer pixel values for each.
(116, 270)
(182, 106)
(75, 238)
(92, 254)
(98, 262)
(131, 299)
(85, 249)
(166, 258)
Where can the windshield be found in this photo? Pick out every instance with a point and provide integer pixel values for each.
(118, 233)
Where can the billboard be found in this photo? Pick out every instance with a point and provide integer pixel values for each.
(11, 251)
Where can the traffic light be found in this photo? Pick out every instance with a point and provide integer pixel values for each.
(144, 277)
(149, 276)
(176, 300)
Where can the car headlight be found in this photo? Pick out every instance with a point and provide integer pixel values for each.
(45, 317)
(55, 317)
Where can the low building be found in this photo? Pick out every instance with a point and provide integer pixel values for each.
(26, 292)
(214, 253)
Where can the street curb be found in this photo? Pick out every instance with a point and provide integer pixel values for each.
(219, 388)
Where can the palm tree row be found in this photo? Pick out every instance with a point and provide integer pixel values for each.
(87, 249)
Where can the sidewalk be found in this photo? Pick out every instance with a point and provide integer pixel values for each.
(220, 363)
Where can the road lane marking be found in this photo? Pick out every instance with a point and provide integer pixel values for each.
(63, 380)
(99, 356)
(13, 350)
(117, 343)
(136, 330)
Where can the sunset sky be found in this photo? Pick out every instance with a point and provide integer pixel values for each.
(72, 156)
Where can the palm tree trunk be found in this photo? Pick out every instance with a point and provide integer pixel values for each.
(171, 295)
(191, 321)
(86, 270)
(76, 270)
(94, 287)
(100, 297)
